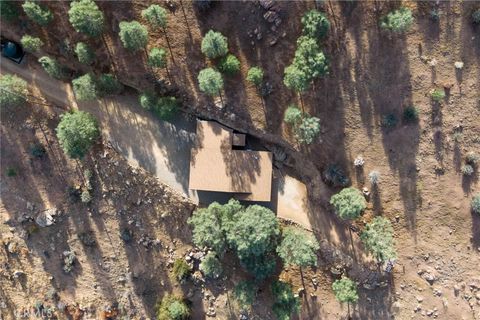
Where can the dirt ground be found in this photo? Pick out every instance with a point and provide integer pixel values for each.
(373, 74)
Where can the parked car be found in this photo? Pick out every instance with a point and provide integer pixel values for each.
(12, 50)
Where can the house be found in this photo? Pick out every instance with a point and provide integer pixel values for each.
(215, 164)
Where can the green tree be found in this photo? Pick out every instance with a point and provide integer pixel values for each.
(133, 35)
(157, 58)
(52, 67)
(214, 45)
(108, 84)
(348, 203)
(13, 91)
(37, 13)
(298, 248)
(398, 21)
(31, 44)
(210, 81)
(156, 16)
(86, 17)
(315, 24)
(293, 116)
(378, 239)
(76, 133)
(166, 108)
(172, 308)
(296, 79)
(345, 291)
(308, 130)
(244, 293)
(85, 87)
(211, 266)
(84, 54)
(148, 100)
(229, 65)
(255, 75)
(310, 59)
(285, 303)
(8, 10)
(476, 203)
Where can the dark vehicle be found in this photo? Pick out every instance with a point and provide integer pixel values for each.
(12, 50)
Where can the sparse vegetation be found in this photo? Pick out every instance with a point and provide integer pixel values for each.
(39, 14)
(181, 270)
(133, 35)
(214, 45)
(229, 65)
(398, 21)
(378, 239)
(13, 91)
(84, 54)
(86, 17)
(31, 44)
(76, 133)
(348, 203)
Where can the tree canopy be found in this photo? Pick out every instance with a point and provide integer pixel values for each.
(315, 24)
(476, 203)
(296, 79)
(230, 65)
(214, 45)
(37, 13)
(86, 17)
(310, 58)
(398, 21)
(52, 67)
(157, 58)
(244, 293)
(285, 303)
(156, 16)
(298, 248)
(13, 91)
(211, 266)
(378, 239)
(31, 44)
(345, 290)
(85, 87)
(210, 81)
(172, 308)
(308, 130)
(84, 54)
(133, 35)
(76, 133)
(348, 203)
(293, 115)
(255, 75)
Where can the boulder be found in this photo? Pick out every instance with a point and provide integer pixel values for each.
(46, 218)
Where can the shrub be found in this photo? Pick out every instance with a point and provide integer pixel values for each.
(157, 58)
(148, 100)
(476, 203)
(181, 270)
(374, 177)
(156, 16)
(13, 91)
(133, 35)
(315, 24)
(359, 161)
(398, 21)
(52, 67)
(295, 78)
(255, 75)
(214, 45)
(476, 16)
(85, 87)
(345, 290)
(76, 133)
(172, 308)
(31, 44)
(166, 108)
(8, 10)
(298, 248)
(410, 114)
(69, 259)
(435, 14)
(107, 84)
(389, 121)
(211, 266)
(308, 130)
(86, 197)
(210, 81)
(244, 293)
(86, 17)
(335, 176)
(378, 239)
(37, 150)
(348, 203)
(472, 158)
(437, 95)
(293, 115)
(84, 54)
(285, 303)
(37, 13)
(11, 172)
(229, 65)
(467, 170)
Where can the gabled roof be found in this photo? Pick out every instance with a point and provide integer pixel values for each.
(215, 166)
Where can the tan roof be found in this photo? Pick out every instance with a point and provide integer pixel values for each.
(214, 166)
